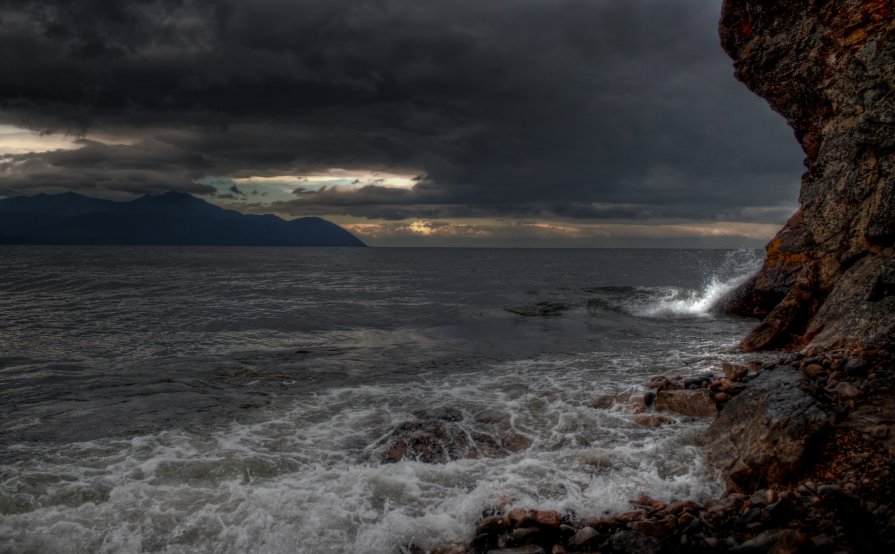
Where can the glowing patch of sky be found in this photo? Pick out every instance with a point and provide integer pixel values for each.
(267, 189)
(14, 140)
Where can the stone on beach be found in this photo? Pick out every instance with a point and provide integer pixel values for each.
(694, 403)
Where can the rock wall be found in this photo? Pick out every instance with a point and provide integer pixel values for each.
(827, 66)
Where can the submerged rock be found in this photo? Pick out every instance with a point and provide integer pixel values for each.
(540, 309)
(444, 434)
(764, 434)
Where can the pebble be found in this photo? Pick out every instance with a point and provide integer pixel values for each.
(879, 431)
(651, 528)
(583, 537)
(630, 516)
(529, 549)
(813, 370)
(847, 390)
(518, 516)
(547, 518)
(492, 524)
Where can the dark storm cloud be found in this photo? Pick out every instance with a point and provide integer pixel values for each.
(574, 108)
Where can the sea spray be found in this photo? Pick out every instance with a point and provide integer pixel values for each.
(737, 267)
(311, 480)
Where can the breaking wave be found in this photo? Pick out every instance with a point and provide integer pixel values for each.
(738, 266)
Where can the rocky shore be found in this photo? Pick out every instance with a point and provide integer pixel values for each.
(805, 442)
(804, 470)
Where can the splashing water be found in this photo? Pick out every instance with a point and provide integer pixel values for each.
(737, 267)
(243, 400)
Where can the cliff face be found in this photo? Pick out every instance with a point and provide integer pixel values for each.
(827, 66)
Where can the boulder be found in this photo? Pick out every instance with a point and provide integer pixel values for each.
(695, 403)
(765, 434)
(442, 435)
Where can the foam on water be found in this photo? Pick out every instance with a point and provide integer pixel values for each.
(310, 478)
(242, 401)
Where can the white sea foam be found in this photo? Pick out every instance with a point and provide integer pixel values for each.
(309, 479)
(738, 266)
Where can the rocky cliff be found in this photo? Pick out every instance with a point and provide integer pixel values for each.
(827, 66)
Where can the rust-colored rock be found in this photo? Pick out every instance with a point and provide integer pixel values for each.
(547, 518)
(829, 69)
(694, 403)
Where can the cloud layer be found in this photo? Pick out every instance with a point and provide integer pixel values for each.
(563, 109)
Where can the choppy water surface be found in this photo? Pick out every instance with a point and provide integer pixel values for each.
(236, 400)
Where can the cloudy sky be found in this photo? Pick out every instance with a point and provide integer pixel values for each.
(410, 122)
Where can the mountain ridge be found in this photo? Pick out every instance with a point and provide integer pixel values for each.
(170, 218)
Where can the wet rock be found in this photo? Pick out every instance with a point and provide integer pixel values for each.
(529, 549)
(601, 524)
(629, 516)
(492, 524)
(630, 542)
(640, 403)
(525, 536)
(695, 403)
(652, 420)
(584, 538)
(791, 542)
(651, 528)
(452, 548)
(856, 366)
(607, 401)
(847, 390)
(443, 437)
(813, 370)
(483, 542)
(663, 383)
(762, 435)
(541, 309)
(879, 431)
(547, 518)
(734, 372)
(680, 506)
(520, 516)
(698, 381)
(650, 503)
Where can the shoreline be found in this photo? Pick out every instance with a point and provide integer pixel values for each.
(810, 470)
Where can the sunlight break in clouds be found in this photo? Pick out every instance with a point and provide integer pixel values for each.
(333, 177)
(14, 140)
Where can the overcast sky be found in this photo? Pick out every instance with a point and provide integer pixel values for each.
(411, 122)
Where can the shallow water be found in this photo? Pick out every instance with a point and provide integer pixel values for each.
(233, 400)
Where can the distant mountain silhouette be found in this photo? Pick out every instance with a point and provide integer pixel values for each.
(171, 218)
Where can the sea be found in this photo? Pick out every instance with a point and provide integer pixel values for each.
(233, 400)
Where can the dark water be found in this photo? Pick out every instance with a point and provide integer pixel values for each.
(233, 400)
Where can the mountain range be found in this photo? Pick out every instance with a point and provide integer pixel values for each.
(171, 218)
